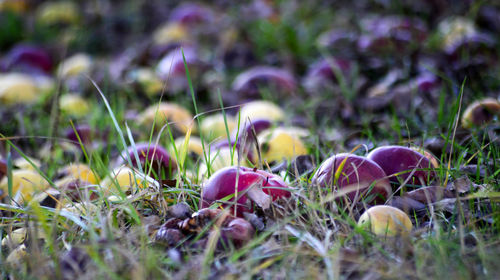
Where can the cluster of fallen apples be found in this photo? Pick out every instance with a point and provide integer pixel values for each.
(232, 188)
(236, 185)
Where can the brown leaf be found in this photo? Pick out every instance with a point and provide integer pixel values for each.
(406, 204)
(429, 194)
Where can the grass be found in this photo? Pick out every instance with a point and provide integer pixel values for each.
(307, 236)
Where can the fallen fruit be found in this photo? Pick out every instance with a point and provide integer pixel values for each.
(194, 145)
(214, 126)
(383, 220)
(356, 177)
(234, 229)
(481, 112)
(150, 156)
(79, 171)
(58, 13)
(17, 88)
(121, 177)
(246, 131)
(163, 113)
(14, 238)
(244, 185)
(75, 65)
(280, 143)
(170, 33)
(261, 109)
(191, 14)
(219, 158)
(25, 183)
(27, 58)
(74, 105)
(147, 81)
(17, 256)
(399, 163)
(251, 82)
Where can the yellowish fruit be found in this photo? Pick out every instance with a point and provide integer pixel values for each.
(16, 6)
(261, 110)
(214, 127)
(480, 112)
(453, 29)
(170, 33)
(23, 163)
(17, 88)
(164, 113)
(148, 81)
(122, 177)
(194, 145)
(80, 171)
(219, 159)
(14, 238)
(278, 144)
(385, 220)
(75, 65)
(25, 183)
(15, 258)
(74, 105)
(64, 12)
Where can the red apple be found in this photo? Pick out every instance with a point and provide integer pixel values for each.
(403, 161)
(367, 180)
(150, 155)
(27, 58)
(233, 180)
(191, 14)
(251, 81)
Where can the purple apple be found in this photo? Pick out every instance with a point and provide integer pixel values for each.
(361, 177)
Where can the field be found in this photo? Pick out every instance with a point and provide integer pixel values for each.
(253, 140)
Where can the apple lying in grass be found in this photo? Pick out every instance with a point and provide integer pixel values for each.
(59, 12)
(481, 112)
(323, 74)
(25, 184)
(249, 128)
(123, 178)
(27, 58)
(358, 178)
(261, 109)
(79, 171)
(249, 83)
(172, 70)
(221, 157)
(391, 33)
(194, 146)
(80, 133)
(400, 163)
(146, 81)
(150, 156)
(162, 113)
(247, 185)
(214, 126)
(169, 34)
(73, 66)
(191, 14)
(383, 220)
(17, 88)
(74, 105)
(281, 143)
